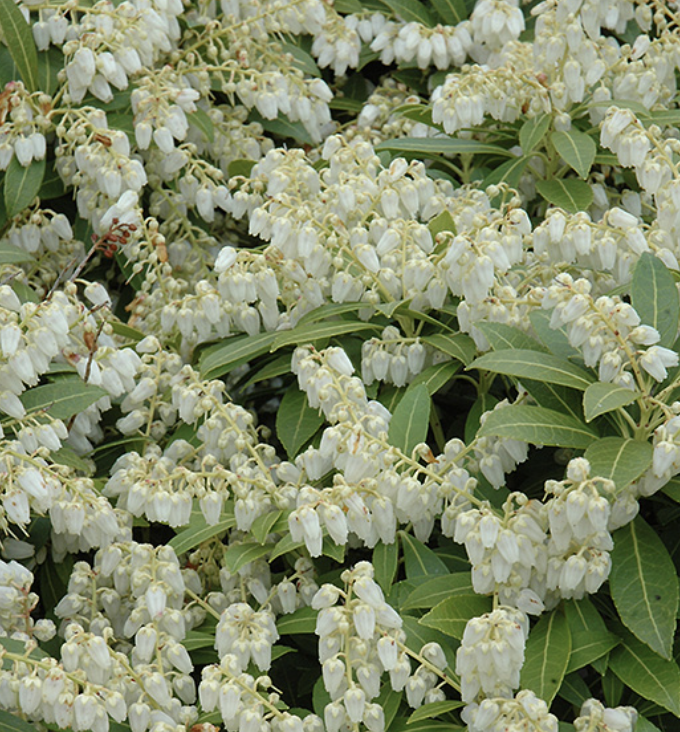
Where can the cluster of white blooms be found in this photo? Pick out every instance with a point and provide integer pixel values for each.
(17, 602)
(24, 126)
(491, 654)
(495, 22)
(598, 718)
(666, 441)
(579, 544)
(441, 46)
(608, 332)
(360, 638)
(111, 43)
(524, 712)
(246, 634)
(507, 553)
(393, 358)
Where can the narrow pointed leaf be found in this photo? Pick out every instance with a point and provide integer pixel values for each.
(385, 563)
(451, 12)
(302, 621)
(646, 673)
(570, 194)
(22, 184)
(419, 560)
(303, 335)
(576, 149)
(20, 43)
(538, 426)
(452, 615)
(620, 459)
(238, 555)
(430, 147)
(199, 531)
(296, 421)
(434, 709)
(502, 336)
(437, 589)
(11, 723)
(644, 585)
(600, 398)
(654, 296)
(411, 419)
(223, 358)
(554, 396)
(534, 365)
(546, 656)
(13, 255)
(411, 11)
(533, 131)
(263, 525)
(457, 345)
(554, 339)
(509, 172)
(433, 378)
(63, 398)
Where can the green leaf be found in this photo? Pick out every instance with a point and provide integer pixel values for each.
(411, 420)
(418, 635)
(11, 723)
(301, 59)
(509, 172)
(301, 335)
(576, 149)
(433, 378)
(442, 222)
(588, 647)
(554, 339)
(219, 360)
(437, 589)
(22, 184)
(411, 10)
(533, 365)
(554, 396)
(264, 525)
(533, 131)
(570, 194)
(201, 121)
(546, 656)
(427, 711)
(502, 336)
(452, 615)
(126, 331)
(296, 421)
(19, 39)
(451, 12)
(646, 673)
(199, 532)
(420, 561)
(644, 585)
(385, 563)
(13, 255)
(538, 426)
(575, 690)
(302, 621)
(431, 147)
(50, 63)
(238, 555)
(654, 296)
(390, 701)
(620, 459)
(62, 399)
(600, 398)
(283, 127)
(457, 345)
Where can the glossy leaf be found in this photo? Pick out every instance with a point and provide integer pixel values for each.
(265, 524)
(576, 149)
(457, 345)
(411, 420)
(419, 560)
(296, 421)
(19, 39)
(283, 127)
(646, 673)
(442, 222)
(451, 616)
(600, 398)
(509, 172)
(427, 711)
(62, 399)
(554, 339)
(301, 59)
(502, 336)
(533, 131)
(588, 647)
(22, 184)
(654, 296)
(302, 621)
(431, 147)
(11, 723)
(570, 194)
(546, 656)
(411, 11)
(525, 364)
(305, 334)
(620, 459)
(554, 396)
(451, 12)
(199, 532)
(644, 585)
(437, 589)
(385, 563)
(219, 360)
(13, 255)
(201, 121)
(433, 378)
(537, 426)
(238, 555)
